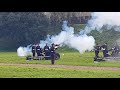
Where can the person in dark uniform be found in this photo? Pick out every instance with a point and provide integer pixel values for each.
(33, 50)
(116, 50)
(113, 52)
(38, 50)
(52, 53)
(46, 50)
(97, 48)
(105, 50)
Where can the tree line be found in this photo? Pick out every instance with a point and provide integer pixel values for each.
(24, 28)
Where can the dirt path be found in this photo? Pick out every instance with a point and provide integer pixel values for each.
(65, 66)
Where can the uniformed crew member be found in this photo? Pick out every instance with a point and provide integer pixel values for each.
(113, 52)
(46, 50)
(116, 50)
(33, 50)
(97, 48)
(38, 50)
(105, 50)
(52, 53)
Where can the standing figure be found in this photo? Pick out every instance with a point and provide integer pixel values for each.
(46, 50)
(105, 50)
(113, 52)
(33, 50)
(116, 50)
(97, 48)
(52, 53)
(38, 50)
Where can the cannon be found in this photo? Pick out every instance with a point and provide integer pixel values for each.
(109, 58)
(43, 57)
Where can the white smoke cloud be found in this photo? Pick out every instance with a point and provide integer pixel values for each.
(99, 19)
(80, 42)
(24, 51)
(67, 37)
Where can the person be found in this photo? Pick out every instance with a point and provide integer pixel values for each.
(52, 53)
(105, 50)
(97, 48)
(33, 49)
(116, 50)
(38, 50)
(46, 50)
(113, 52)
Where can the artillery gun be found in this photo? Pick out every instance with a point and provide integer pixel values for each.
(109, 58)
(43, 57)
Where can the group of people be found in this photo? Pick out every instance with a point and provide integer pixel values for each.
(48, 51)
(104, 48)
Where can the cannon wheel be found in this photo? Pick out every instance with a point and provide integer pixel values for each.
(28, 58)
(57, 56)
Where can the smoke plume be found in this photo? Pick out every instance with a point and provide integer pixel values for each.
(24, 51)
(100, 19)
(81, 41)
(67, 37)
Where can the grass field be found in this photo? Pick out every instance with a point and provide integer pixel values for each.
(69, 59)
(40, 72)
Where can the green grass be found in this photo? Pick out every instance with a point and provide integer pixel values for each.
(69, 58)
(40, 72)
